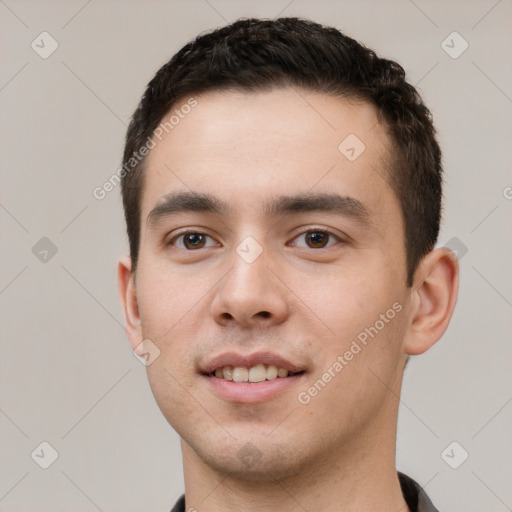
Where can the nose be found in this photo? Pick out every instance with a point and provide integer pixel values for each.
(250, 295)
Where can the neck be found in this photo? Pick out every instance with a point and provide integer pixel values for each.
(360, 477)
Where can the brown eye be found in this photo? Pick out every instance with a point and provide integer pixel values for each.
(192, 240)
(317, 239)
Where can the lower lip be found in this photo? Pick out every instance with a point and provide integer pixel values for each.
(251, 392)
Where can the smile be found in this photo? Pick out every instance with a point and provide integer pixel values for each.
(252, 378)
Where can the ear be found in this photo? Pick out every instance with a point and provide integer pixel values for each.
(128, 295)
(435, 288)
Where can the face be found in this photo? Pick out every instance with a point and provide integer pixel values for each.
(271, 242)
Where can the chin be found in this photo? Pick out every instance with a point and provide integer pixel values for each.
(258, 461)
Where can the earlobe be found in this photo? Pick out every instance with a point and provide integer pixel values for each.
(435, 291)
(128, 296)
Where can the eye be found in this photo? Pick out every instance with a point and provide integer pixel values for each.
(317, 239)
(192, 240)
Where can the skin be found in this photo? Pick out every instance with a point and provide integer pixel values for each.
(305, 303)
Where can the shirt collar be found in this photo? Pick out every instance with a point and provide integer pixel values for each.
(414, 495)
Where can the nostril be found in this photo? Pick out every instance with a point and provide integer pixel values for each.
(264, 314)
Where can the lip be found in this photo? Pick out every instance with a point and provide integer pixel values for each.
(250, 360)
(247, 392)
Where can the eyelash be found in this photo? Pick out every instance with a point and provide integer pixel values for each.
(311, 230)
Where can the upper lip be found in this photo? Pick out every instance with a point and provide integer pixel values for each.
(249, 360)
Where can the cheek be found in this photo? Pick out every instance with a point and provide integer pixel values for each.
(359, 371)
(347, 299)
(363, 320)
(171, 391)
(169, 300)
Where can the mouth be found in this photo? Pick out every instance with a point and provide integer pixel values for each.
(251, 378)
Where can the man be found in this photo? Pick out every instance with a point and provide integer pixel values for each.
(282, 193)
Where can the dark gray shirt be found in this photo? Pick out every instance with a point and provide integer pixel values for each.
(414, 496)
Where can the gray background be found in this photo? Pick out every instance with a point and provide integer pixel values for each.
(67, 374)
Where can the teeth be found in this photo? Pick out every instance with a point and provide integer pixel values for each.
(257, 373)
(271, 372)
(227, 373)
(240, 374)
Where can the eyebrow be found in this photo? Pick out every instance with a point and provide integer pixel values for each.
(189, 201)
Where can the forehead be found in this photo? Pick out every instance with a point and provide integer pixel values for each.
(249, 147)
